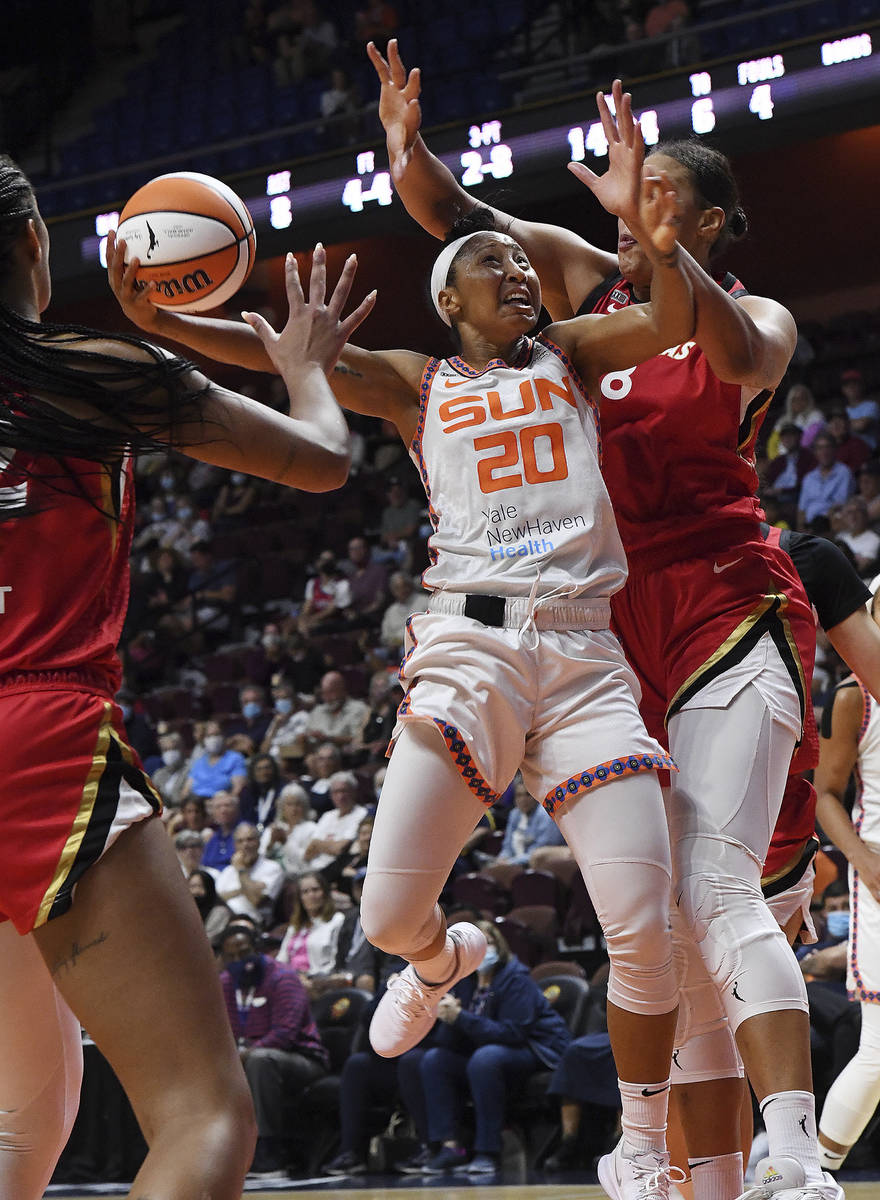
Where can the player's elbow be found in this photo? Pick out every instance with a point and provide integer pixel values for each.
(329, 470)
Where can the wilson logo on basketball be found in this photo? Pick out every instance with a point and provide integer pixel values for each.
(197, 281)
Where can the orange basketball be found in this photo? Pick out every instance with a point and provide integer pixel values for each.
(194, 238)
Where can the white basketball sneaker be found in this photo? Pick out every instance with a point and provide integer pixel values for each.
(632, 1176)
(782, 1178)
(409, 1007)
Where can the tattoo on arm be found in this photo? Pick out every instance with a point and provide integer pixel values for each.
(68, 962)
(345, 370)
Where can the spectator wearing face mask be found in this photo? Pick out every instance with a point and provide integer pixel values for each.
(234, 500)
(170, 778)
(216, 769)
(278, 1042)
(255, 716)
(285, 735)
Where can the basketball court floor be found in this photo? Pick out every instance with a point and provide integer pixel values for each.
(569, 1186)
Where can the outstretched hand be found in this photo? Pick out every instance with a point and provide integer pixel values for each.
(399, 109)
(133, 296)
(619, 189)
(315, 332)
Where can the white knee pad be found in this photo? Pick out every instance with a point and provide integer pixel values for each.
(705, 1047)
(855, 1093)
(744, 950)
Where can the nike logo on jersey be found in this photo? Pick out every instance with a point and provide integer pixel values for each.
(455, 382)
(732, 563)
(656, 1092)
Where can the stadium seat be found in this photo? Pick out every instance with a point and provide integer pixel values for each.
(536, 887)
(483, 893)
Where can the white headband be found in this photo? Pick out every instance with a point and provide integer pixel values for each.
(440, 272)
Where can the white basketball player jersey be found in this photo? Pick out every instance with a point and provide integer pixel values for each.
(866, 809)
(509, 458)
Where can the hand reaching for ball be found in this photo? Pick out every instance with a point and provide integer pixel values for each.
(315, 332)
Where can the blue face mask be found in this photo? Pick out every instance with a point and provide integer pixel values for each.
(251, 709)
(490, 958)
(284, 705)
(837, 924)
(247, 972)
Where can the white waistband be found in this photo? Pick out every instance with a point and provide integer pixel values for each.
(575, 614)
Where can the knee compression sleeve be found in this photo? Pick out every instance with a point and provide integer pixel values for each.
(620, 841)
(744, 950)
(704, 1044)
(732, 764)
(855, 1093)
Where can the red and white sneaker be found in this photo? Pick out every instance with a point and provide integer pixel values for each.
(409, 1007)
(632, 1176)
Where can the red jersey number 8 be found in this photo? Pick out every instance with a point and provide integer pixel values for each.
(617, 384)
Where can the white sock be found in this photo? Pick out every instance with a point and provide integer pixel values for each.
(790, 1121)
(643, 1121)
(717, 1178)
(830, 1160)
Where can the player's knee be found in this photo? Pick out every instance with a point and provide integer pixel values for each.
(391, 925)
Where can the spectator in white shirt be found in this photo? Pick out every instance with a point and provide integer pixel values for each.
(251, 883)
(286, 838)
(338, 827)
(858, 535)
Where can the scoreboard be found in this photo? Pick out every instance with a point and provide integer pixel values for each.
(735, 104)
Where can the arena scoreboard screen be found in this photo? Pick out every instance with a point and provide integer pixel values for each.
(349, 195)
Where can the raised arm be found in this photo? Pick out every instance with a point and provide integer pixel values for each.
(308, 447)
(747, 341)
(363, 381)
(649, 207)
(568, 266)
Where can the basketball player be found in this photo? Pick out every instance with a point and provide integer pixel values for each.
(713, 618)
(850, 743)
(95, 917)
(513, 666)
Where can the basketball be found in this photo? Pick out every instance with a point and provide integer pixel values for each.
(194, 238)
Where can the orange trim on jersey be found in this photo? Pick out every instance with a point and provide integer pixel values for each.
(83, 816)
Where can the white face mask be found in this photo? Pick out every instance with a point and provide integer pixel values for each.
(172, 758)
(237, 478)
(214, 743)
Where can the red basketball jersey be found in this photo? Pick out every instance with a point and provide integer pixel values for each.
(678, 459)
(64, 569)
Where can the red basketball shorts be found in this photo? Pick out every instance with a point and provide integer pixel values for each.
(69, 785)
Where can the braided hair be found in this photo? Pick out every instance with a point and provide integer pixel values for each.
(714, 186)
(61, 396)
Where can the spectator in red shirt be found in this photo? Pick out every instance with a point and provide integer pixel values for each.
(278, 1041)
